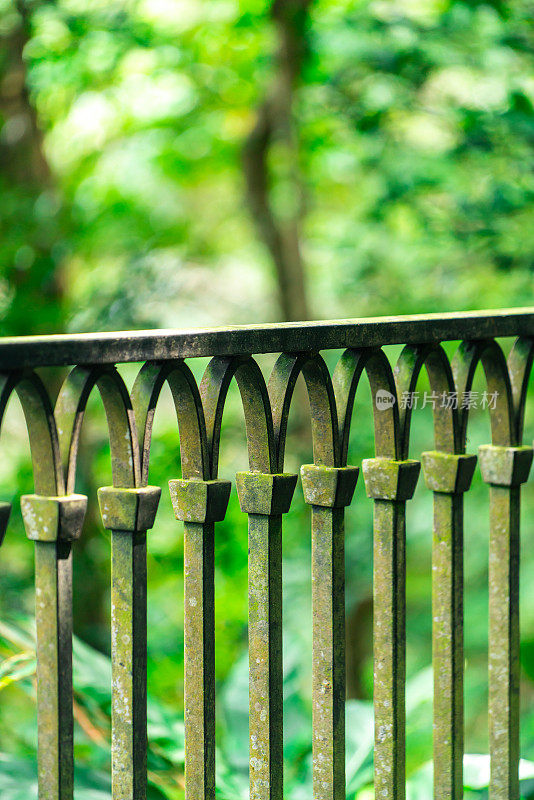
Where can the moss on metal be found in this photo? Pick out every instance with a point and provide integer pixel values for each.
(386, 479)
(331, 487)
(448, 473)
(50, 519)
(200, 501)
(265, 494)
(129, 509)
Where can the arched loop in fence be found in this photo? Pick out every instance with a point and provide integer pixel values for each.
(41, 425)
(189, 412)
(407, 370)
(70, 410)
(256, 407)
(464, 364)
(519, 368)
(320, 392)
(346, 378)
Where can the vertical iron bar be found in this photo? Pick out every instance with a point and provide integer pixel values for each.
(199, 504)
(199, 645)
(389, 634)
(504, 642)
(265, 497)
(328, 490)
(128, 513)
(265, 656)
(53, 595)
(53, 522)
(328, 682)
(390, 483)
(129, 664)
(505, 469)
(448, 475)
(447, 645)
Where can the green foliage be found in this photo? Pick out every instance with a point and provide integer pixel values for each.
(415, 124)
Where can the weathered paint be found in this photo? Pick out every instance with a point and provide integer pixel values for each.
(265, 498)
(448, 475)
(505, 469)
(130, 511)
(390, 483)
(128, 665)
(51, 519)
(389, 641)
(265, 656)
(447, 646)
(53, 617)
(328, 653)
(199, 662)
(328, 490)
(199, 504)
(199, 501)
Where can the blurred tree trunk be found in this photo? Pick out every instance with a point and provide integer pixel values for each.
(279, 227)
(33, 294)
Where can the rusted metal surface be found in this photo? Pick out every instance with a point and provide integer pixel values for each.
(265, 497)
(54, 517)
(199, 504)
(328, 490)
(505, 469)
(53, 585)
(199, 661)
(390, 483)
(128, 513)
(304, 337)
(265, 656)
(448, 476)
(54, 523)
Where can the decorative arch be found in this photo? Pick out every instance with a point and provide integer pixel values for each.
(41, 426)
(466, 359)
(189, 412)
(324, 423)
(347, 374)
(256, 407)
(519, 369)
(446, 419)
(70, 410)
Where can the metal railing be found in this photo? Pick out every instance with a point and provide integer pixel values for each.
(54, 516)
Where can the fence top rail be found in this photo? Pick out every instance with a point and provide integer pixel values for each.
(165, 344)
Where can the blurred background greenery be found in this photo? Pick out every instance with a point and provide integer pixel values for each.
(174, 163)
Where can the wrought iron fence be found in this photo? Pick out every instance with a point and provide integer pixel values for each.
(54, 516)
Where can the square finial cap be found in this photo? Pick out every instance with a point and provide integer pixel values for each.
(52, 519)
(330, 487)
(504, 466)
(262, 493)
(448, 473)
(386, 479)
(131, 510)
(199, 501)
